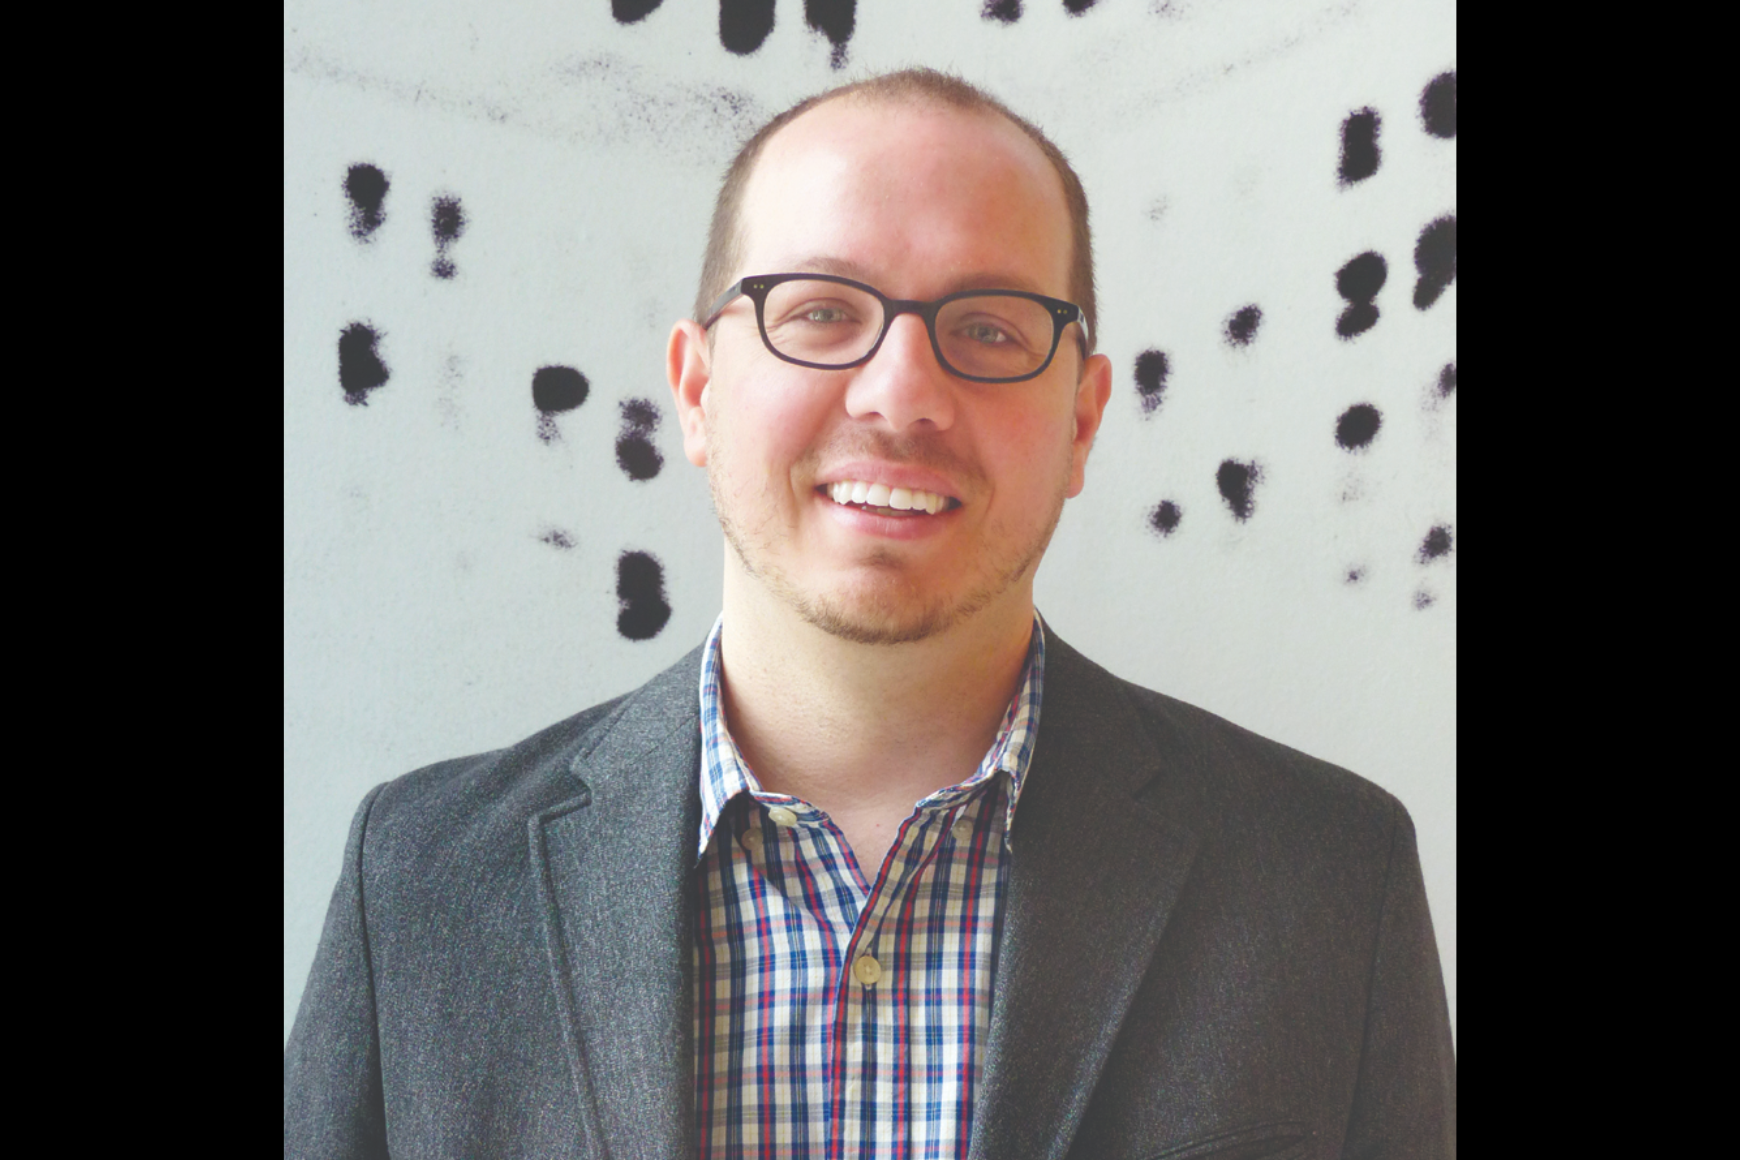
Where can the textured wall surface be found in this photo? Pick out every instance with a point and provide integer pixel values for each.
(493, 214)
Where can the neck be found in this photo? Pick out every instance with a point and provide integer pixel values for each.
(864, 731)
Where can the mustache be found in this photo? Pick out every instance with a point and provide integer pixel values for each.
(929, 451)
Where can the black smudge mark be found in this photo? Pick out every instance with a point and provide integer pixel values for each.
(1438, 105)
(1237, 481)
(1359, 146)
(1436, 544)
(1357, 426)
(366, 187)
(744, 24)
(447, 221)
(1164, 518)
(640, 587)
(557, 538)
(556, 389)
(1447, 381)
(1242, 326)
(1359, 282)
(1435, 259)
(635, 454)
(629, 11)
(1424, 599)
(1354, 576)
(360, 368)
(1077, 7)
(1007, 11)
(833, 19)
(1152, 367)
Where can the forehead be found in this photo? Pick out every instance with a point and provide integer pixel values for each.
(916, 197)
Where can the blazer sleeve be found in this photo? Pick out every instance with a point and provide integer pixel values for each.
(1405, 1101)
(332, 1063)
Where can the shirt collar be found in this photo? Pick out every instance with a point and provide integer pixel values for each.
(724, 773)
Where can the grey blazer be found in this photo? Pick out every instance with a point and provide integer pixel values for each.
(1214, 946)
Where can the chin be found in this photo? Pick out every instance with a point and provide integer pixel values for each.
(877, 626)
(890, 612)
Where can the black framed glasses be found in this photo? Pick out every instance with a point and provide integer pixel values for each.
(988, 336)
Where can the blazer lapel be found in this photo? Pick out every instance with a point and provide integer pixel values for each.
(1104, 837)
(615, 861)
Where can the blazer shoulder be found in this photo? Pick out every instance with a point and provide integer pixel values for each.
(1224, 766)
(485, 799)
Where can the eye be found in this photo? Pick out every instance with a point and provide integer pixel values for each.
(985, 332)
(824, 314)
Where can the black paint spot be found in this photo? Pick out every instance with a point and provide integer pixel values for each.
(1152, 367)
(635, 454)
(1077, 7)
(1359, 146)
(557, 538)
(1424, 599)
(360, 368)
(1354, 575)
(1357, 426)
(833, 19)
(1359, 282)
(1007, 11)
(1435, 545)
(366, 187)
(629, 11)
(1435, 259)
(1242, 326)
(1164, 518)
(558, 388)
(447, 220)
(744, 24)
(1438, 105)
(1447, 381)
(1237, 481)
(640, 587)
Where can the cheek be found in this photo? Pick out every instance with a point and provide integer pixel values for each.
(1026, 449)
(766, 426)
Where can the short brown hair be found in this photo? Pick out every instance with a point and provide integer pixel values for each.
(725, 237)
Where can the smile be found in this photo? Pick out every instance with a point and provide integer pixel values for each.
(882, 498)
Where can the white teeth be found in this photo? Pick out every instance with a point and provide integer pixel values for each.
(848, 491)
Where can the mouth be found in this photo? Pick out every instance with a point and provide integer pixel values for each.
(883, 500)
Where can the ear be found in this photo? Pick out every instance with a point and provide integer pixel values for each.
(1092, 392)
(688, 368)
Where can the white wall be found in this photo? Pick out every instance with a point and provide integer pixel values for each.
(430, 607)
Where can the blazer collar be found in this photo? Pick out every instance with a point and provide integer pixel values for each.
(614, 864)
(1109, 825)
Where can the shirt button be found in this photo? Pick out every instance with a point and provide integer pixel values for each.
(780, 816)
(867, 970)
(752, 836)
(962, 830)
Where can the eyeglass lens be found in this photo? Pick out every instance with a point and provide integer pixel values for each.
(993, 336)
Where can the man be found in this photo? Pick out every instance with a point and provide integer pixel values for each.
(907, 876)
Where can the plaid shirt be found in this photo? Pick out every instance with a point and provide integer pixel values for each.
(836, 1017)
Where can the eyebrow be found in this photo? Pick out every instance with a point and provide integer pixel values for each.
(976, 280)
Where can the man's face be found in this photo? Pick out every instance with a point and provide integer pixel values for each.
(918, 202)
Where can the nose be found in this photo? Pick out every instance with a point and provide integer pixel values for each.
(903, 384)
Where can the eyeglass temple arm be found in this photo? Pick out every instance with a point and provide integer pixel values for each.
(721, 302)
